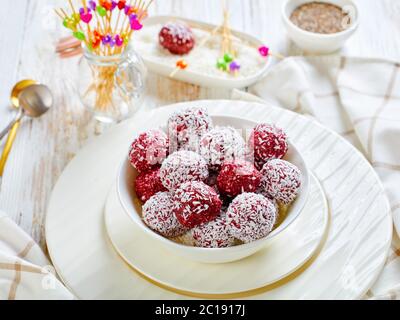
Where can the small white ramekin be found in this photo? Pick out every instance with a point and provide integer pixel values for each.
(316, 43)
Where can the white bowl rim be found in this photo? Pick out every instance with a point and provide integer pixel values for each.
(228, 249)
(349, 30)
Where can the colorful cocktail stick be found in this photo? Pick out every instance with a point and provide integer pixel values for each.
(266, 52)
(227, 62)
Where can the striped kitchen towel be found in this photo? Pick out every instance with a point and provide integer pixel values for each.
(25, 272)
(360, 99)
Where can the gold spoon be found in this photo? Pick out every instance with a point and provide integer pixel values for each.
(16, 91)
(18, 88)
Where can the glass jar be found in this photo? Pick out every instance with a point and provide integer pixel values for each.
(111, 86)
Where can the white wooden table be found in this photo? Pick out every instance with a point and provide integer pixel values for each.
(29, 29)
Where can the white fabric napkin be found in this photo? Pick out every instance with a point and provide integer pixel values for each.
(25, 272)
(360, 99)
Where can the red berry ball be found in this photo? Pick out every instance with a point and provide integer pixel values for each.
(187, 127)
(222, 144)
(158, 215)
(196, 203)
(177, 38)
(281, 180)
(214, 234)
(267, 142)
(237, 177)
(149, 150)
(251, 217)
(181, 167)
(148, 184)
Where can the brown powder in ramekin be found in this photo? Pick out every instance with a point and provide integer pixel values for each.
(320, 17)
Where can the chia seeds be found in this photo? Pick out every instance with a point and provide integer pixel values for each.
(320, 17)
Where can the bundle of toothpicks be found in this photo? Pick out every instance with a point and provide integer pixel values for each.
(104, 26)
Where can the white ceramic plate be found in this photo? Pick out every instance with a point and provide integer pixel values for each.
(358, 240)
(129, 201)
(283, 255)
(166, 66)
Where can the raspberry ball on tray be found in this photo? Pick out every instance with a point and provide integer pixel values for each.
(148, 184)
(267, 142)
(177, 38)
(181, 167)
(251, 217)
(196, 203)
(149, 150)
(186, 128)
(238, 176)
(214, 234)
(158, 215)
(222, 144)
(281, 180)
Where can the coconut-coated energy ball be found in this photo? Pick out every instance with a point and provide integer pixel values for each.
(222, 144)
(177, 38)
(196, 203)
(181, 167)
(281, 180)
(214, 234)
(186, 128)
(149, 150)
(267, 142)
(158, 215)
(237, 177)
(148, 184)
(251, 217)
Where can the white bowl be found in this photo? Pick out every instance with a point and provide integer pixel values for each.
(127, 196)
(314, 42)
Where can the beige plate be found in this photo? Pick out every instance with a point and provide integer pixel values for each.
(358, 239)
(285, 254)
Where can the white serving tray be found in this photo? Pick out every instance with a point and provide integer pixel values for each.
(203, 79)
